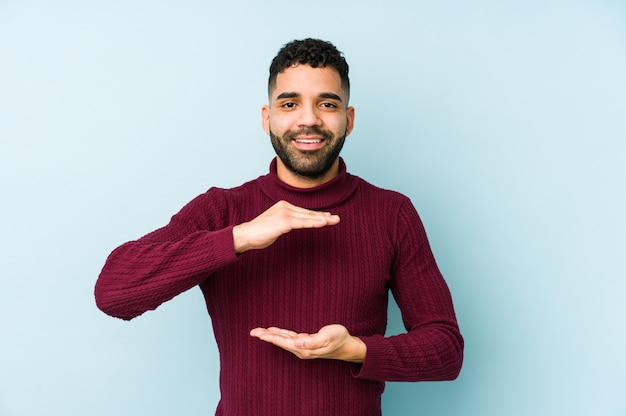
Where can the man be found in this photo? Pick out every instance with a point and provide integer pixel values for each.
(295, 266)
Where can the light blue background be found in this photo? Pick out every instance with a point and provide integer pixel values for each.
(504, 121)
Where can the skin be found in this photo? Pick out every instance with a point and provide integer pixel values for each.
(305, 100)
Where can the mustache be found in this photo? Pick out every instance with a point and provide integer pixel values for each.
(309, 131)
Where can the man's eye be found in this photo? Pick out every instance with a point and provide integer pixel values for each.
(329, 105)
(288, 105)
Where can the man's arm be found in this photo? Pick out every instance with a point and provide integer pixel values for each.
(141, 275)
(432, 347)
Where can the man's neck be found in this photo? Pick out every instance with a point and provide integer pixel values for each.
(298, 181)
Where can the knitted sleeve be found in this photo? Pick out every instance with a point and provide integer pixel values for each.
(432, 347)
(140, 275)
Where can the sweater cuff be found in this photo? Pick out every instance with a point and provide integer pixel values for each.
(373, 359)
(223, 246)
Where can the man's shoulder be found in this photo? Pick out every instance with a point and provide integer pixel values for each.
(226, 191)
(221, 196)
(374, 191)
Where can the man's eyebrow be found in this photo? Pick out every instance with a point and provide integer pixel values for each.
(284, 95)
(327, 95)
(331, 96)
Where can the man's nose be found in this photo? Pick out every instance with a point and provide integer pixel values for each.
(309, 116)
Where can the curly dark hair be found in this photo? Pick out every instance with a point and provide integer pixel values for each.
(314, 52)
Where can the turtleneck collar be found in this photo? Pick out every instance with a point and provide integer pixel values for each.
(325, 196)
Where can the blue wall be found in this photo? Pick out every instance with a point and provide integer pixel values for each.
(505, 122)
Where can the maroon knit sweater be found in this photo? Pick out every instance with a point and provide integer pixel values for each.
(305, 280)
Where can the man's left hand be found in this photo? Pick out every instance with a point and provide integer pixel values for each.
(331, 342)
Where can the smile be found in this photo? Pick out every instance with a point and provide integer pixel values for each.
(308, 141)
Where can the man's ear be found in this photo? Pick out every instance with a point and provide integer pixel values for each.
(350, 121)
(265, 118)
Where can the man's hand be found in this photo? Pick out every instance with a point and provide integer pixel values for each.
(279, 219)
(332, 342)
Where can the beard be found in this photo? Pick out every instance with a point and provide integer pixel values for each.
(310, 164)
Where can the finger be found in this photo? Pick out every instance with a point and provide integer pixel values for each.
(328, 337)
(282, 332)
(268, 336)
(284, 342)
(313, 221)
(271, 332)
(310, 342)
(262, 332)
(313, 215)
(257, 332)
(307, 213)
(304, 342)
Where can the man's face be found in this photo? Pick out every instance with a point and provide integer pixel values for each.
(308, 119)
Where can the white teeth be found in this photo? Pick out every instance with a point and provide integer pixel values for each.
(309, 141)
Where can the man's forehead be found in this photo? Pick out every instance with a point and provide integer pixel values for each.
(304, 79)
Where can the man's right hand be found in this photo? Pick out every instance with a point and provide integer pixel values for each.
(279, 219)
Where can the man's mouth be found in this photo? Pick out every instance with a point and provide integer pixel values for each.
(308, 141)
(308, 144)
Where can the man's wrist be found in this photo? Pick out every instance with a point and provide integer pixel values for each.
(356, 350)
(238, 241)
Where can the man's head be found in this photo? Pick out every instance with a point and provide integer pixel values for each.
(313, 52)
(308, 117)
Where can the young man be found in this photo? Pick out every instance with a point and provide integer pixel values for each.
(295, 266)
